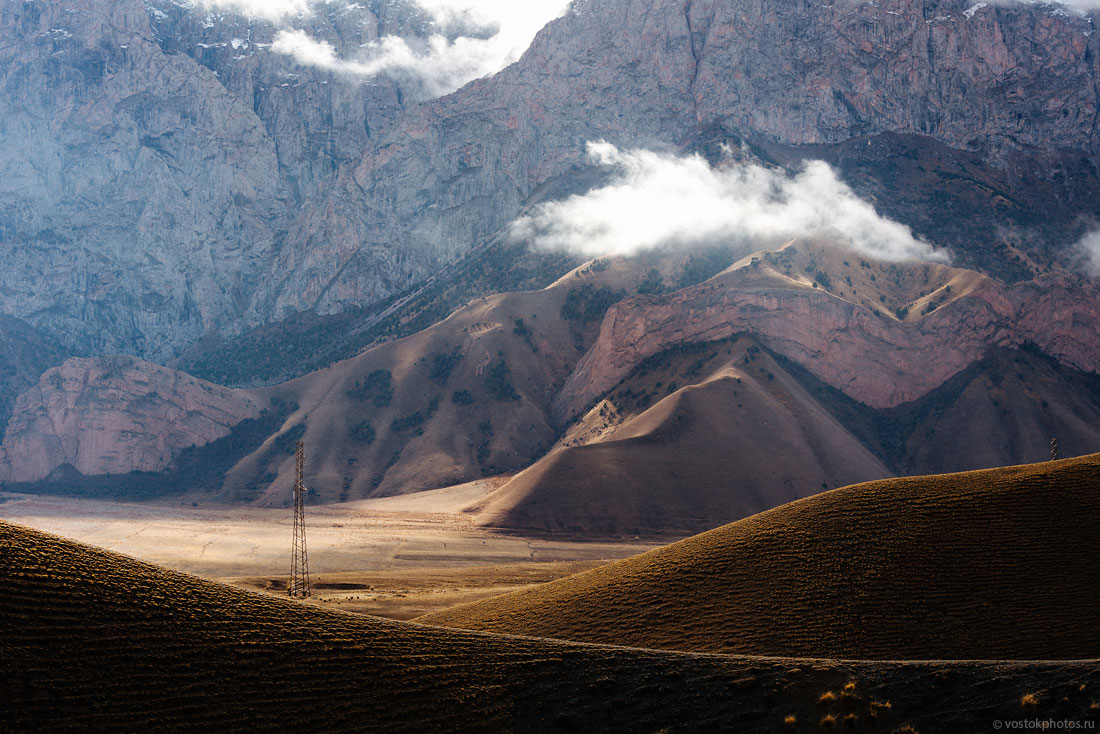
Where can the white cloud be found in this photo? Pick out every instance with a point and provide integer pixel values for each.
(484, 37)
(657, 200)
(1090, 247)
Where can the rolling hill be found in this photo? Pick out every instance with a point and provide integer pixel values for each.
(94, 640)
(983, 565)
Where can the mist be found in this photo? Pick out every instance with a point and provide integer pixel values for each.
(1089, 246)
(656, 200)
(473, 39)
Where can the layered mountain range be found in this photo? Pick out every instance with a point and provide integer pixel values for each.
(167, 175)
(626, 404)
(174, 186)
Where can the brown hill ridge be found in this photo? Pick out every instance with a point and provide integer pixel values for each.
(745, 437)
(94, 640)
(982, 565)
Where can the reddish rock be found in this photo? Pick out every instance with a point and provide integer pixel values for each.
(115, 415)
(871, 356)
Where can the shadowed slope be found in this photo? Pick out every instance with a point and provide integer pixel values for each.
(93, 640)
(996, 564)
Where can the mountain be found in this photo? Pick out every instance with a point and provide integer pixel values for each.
(994, 114)
(155, 161)
(168, 177)
(740, 437)
(884, 333)
(115, 416)
(1004, 409)
(833, 368)
(984, 565)
(467, 397)
(24, 355)
(106, 642)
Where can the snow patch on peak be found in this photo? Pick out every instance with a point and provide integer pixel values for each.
(969, 12)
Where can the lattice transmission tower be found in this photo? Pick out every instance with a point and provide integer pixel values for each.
(299, 564)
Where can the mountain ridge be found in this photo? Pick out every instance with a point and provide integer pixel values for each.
(313, 211)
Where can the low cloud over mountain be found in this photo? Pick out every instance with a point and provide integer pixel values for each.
(657, 200)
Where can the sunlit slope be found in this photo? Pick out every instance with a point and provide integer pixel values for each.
(745, 437)
(996, 564)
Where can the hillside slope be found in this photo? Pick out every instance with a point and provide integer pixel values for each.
(98, 641)
(465, 398)
(742, 437)
(983, 565)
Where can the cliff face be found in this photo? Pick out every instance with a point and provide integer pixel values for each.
(154, 159)
(114, 415)
(24, 355)
(166, 175)
(655, 72)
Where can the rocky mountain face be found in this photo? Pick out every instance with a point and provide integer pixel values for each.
(155, 158)
(668, 73)
(114, 415)
(166, 176)
(25, 354)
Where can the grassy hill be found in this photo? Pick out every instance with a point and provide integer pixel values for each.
(94, 640)
(996, 564)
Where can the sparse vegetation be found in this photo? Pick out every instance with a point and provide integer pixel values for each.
(498, 383)
(413, 421)
(443, 365)
(704, 265)
(589, 303)
(362, 432)
(520, 329)
(653, 283)
(377, 388)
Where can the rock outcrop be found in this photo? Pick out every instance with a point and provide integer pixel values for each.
(25, 354)
(114, 415)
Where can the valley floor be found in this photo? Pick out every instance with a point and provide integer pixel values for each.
(397, 557)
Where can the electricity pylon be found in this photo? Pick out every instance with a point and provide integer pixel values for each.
(299, 564)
